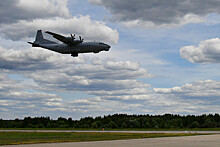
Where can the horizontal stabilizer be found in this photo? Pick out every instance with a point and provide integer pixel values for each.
(30, 42)
(34, 44)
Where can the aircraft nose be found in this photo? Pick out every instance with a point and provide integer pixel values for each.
(108, 47)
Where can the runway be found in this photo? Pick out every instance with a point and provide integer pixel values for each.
(189, 141)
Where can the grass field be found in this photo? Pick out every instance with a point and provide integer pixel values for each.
(12, 138)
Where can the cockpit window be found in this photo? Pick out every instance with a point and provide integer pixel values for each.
(102, 43)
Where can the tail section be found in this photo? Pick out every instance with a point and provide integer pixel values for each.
(34, 44)
(40, 39)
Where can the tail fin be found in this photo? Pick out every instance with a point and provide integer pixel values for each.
(39, 36)
(40, 39)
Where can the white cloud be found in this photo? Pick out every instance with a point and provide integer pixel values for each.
(108, 80)
(153, 13)
(95, 2)
(16, 98)
(128, 96)
(48, 7)
(114, 86)
(207, 89)
(167, 90)
(96, 78)
(208, 51)
(34, 59)
(122, 65)
(15, 10)
(80, 25)
(20, 19)
(55, 72)
(188, 18)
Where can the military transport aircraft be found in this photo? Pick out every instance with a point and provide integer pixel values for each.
(69, 45)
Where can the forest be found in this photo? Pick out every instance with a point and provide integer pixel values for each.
(119, 121)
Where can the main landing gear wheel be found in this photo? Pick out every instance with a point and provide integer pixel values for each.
(74, 54)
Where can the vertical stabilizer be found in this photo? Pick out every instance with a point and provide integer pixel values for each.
(39, 37)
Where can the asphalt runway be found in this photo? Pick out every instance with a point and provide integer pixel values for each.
(186, 141)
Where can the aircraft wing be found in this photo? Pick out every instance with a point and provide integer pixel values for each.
(57, 36)
(66, 40)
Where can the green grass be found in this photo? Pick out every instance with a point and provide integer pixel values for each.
(12, 138)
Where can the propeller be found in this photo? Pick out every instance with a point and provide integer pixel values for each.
(80, 38)
(72, 36)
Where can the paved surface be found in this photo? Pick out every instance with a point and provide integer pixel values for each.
(202, 132)
(189, 141)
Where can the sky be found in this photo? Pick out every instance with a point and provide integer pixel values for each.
(164, 58)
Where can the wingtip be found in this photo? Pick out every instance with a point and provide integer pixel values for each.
(48, 32)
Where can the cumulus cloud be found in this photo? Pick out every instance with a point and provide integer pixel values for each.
(19, 101)
(192, 98)
(207, 89)
(19, 20)
(113, 85)
(90, 78)
(110, 82)
(158, 13)
(34, 59)
(16, 98)
(80, 25)
(15, 10)
(65, 74)
(189, 18)
(208, 51)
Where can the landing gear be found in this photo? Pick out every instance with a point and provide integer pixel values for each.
(74, 54)
(96, 52)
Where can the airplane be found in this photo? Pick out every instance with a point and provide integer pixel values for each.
(69, 45)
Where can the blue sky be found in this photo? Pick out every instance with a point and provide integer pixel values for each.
(164, 58)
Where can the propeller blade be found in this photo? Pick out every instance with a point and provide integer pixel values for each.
(80, 38)
(72, 36)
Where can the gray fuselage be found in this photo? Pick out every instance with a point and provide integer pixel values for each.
(84, 47)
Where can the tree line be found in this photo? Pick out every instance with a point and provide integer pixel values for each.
(118, 121)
